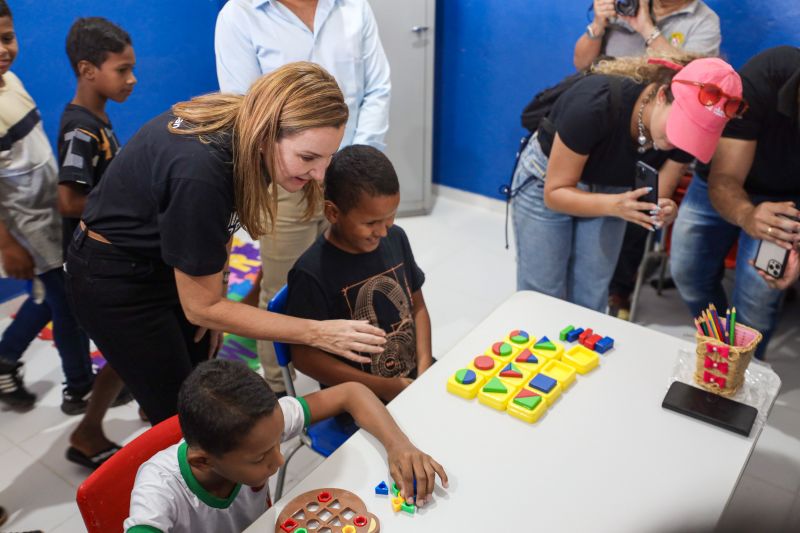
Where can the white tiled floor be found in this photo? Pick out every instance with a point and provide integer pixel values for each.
(469, 273)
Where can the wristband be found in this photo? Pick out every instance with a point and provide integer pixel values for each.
(653, 37)
(591, 34)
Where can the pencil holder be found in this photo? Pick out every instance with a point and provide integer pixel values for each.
(720, 366)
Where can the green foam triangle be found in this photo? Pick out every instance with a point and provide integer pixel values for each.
(495, 385)
(529, 402)
(544, 344)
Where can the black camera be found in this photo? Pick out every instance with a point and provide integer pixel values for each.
(628, 8)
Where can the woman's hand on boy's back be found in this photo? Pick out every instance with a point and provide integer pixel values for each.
(348, 337)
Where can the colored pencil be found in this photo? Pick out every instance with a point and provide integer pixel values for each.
(697, 325)
(717, 323)
(733, 328)
(728, 323)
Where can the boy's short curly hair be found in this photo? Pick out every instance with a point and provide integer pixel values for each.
(356, 169)
(5, 11)
(220, 402)
(92, 39)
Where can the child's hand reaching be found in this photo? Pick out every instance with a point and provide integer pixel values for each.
(407, 463)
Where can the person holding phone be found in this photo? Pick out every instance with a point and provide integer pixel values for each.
(748, 194)
(571, 190)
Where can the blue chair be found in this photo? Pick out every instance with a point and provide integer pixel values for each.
(325, 436)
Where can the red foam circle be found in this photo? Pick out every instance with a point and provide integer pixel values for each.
(484, 362)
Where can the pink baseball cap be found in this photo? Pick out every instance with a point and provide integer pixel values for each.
(691, 126)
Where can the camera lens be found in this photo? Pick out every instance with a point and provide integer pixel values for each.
(628, 8)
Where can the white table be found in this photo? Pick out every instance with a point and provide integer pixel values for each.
(605, 456)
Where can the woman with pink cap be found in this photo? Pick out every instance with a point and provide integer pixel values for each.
(572, 188)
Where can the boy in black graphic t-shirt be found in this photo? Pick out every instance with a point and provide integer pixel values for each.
(102, 57)
(362, 268)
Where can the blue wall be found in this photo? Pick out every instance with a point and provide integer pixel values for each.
(494, 55)
(173, 41)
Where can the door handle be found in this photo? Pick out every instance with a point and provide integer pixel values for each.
(419, 29)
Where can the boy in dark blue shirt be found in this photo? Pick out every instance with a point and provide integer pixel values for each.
(103, 59)
(362, 268)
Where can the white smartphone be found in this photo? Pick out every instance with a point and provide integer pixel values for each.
(771, 259)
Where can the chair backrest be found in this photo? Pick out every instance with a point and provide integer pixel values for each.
(104, 497)
(278, 305)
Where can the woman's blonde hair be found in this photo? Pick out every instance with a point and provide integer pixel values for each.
(649, 68)
(296, 97)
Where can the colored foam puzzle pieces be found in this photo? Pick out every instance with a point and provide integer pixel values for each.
(462, 383)
(289, 525)
(395, 490)
(545, 386)
(590, 341)
(604, 345)
(397, 503)
(544, 344)
(349, 529)
(407, 507)
(527, 406)
(525, 377)
(502, 349)
(495, 385)
(581, 358)
(561, 372)
(510, 371)
(382, 488)
(496, 394)
(573, 335)
(519, 338)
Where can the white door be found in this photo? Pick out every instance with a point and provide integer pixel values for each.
(406, 29)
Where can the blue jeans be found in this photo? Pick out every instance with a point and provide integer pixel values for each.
(700, 241)
(571, 258)
(71, 341)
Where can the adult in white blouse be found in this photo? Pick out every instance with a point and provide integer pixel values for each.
(254, 37)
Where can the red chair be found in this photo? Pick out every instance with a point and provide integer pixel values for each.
(105, 497)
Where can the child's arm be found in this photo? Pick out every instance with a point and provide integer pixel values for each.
(17, 262)
(406, 462)
(422, 321)
(331, 370)
(71, 199)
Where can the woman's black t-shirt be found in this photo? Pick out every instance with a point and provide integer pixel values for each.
(169, 197)
(584, 122)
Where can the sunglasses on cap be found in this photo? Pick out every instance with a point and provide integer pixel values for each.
(710, 94)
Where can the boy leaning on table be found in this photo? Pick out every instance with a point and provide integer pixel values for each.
(233, 425)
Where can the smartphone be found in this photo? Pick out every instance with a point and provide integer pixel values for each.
(771, 258)
(646, 176)
(711, 408)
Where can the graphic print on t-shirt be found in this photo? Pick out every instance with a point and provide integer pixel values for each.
(388, 296)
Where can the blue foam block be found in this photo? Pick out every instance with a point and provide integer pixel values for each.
(382, 488)
(573, 335)
(542, 383)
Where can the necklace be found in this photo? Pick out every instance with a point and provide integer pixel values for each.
(642, 139)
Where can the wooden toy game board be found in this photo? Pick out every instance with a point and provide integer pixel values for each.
(327, 511)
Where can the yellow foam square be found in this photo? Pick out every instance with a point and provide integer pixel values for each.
(496, 400)
(581, 358)
(529, 416)
(561, 372)
(551, 396)
(465, 391)
(485, 373)
(549, 354)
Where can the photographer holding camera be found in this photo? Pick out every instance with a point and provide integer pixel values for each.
(624, 28)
